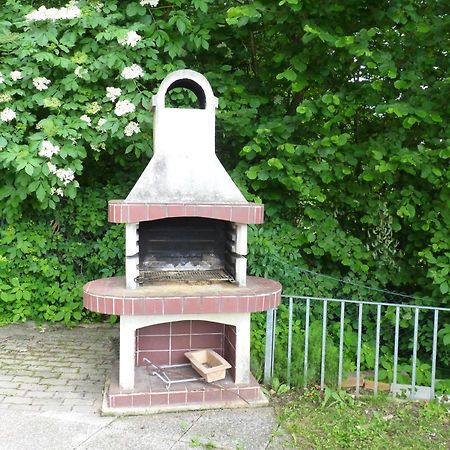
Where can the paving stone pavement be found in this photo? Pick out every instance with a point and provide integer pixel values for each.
(51, 383)
(62, 369)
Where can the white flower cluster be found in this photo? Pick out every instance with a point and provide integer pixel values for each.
(124, 107)
(152, 3)
(16, 75)
(51, 167)
(65, 175)
(278, 100)
(2, 78)
(131, 128)
(131, 39)
(133, 71)
(112, 93)
(5, 97)
(93, 108)
(48, 150)
(57, 191)
(80, 71)
(41, 83)
(99, 147)
(7, 115)
(86, 118)
(70, 11)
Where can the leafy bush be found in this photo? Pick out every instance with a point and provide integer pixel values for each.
(45, 261)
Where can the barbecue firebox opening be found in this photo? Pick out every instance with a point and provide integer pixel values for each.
(186, 249)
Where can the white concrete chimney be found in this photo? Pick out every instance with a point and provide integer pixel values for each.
(184, 167)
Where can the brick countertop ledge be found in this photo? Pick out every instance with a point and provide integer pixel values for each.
(120, 211)
(110, 296)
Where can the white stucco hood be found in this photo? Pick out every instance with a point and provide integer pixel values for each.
(184, 167)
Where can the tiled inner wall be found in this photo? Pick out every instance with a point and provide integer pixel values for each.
(166, 343)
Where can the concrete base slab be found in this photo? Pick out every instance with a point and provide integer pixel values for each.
(205, 396)
(23, 431)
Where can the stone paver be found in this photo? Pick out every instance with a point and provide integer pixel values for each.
(51, 386)
(49, 369)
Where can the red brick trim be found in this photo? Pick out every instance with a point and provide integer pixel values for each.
(121, 212)
(110, 296)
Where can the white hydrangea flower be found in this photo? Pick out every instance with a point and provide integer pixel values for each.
(16, 75)
(57, 191)
(99, 147)
(131, 39)
(65, 175)
(93, 108)
(2, 79)
(101, 122)
(48, 150)
(5, 98)
(41, 83)
(51, 167)
(112, 93)
(70, 11)
(7, 115)
(133, 71)
(152, 3)
(124, 107)
(86, 118)
(80, 71)
(278, 100)
(131, 128)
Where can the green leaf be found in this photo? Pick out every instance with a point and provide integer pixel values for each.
(181, 25)
(409, 122)
(444, 287)
(40, 193)
(400, 84)
(275, 162)
(29, 169)
(134, 9)
(59, 315)
(288, 74)
(252, 173)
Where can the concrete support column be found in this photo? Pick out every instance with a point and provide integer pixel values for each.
(242, 323)
(131, 254)
(127, 352)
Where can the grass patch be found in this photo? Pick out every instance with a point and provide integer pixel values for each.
(334, 421)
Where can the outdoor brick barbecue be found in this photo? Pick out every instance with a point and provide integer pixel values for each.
(186, 286)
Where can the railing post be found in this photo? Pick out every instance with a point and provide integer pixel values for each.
(270, 346)
(414, 355)
(324, 345)
(397, 326)
(377, 350)
(433, 356)
(289, 349)
(341, 344)
(358, 349)
(306, 351)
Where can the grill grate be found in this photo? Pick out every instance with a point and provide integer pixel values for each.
(146, 276)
